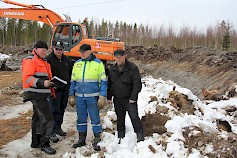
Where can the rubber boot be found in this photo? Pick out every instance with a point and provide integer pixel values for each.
(96, 141)
(140, 136)
(81, 141)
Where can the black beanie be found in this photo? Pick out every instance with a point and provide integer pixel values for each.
(119, 52)
(41, 44)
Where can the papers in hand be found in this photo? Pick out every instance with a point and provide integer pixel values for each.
(58, 82)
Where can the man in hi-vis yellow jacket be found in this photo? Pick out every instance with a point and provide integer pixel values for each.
(89, 86)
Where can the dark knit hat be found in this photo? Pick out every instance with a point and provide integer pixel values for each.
(85, 47)
(119, 52)
(41, 44)
(59, 44)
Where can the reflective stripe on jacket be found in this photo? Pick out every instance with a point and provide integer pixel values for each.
(35, 71)
(88, 78)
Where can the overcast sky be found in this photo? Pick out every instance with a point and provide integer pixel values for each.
(199, 13)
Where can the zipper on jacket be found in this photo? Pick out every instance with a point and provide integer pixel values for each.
(83, 77)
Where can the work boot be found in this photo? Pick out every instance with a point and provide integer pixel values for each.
(82, 140)
(61, 132)
(140, 136)
(96, 141)
(54, 138)
(48, 150)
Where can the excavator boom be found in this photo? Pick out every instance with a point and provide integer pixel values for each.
(31, 12)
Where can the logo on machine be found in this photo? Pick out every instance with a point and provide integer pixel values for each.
(97, 45)
(14, 13)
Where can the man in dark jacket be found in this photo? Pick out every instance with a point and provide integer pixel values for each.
(61, 68)
(124, 84)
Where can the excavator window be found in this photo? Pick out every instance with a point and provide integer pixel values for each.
(76, 34)
(62, 32)
(65, 32)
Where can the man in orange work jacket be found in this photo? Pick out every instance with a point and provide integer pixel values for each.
(36, 75)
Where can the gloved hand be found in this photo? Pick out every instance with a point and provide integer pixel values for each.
(101, 102)
(72, 101)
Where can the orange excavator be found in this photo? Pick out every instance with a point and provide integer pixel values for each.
(72, 34)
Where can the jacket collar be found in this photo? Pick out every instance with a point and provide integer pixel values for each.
(90, 58)
(52, 53)
(126, 67)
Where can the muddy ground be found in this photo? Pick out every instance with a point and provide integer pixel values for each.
(192, 68)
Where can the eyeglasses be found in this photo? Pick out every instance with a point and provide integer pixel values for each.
(59, 49)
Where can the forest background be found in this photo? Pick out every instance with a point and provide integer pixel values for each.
(222, 36)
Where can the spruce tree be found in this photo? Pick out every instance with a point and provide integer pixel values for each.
(226, 40)
(225, 32)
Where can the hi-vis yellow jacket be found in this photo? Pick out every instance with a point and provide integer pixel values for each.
(88, 78)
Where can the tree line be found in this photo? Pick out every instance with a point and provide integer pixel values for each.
(223, 36)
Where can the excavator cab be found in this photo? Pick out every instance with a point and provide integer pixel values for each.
(70, 34)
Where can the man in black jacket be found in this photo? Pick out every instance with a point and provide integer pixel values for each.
(61, 68)
(124, 84)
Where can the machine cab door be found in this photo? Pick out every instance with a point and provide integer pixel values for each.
(69, 34)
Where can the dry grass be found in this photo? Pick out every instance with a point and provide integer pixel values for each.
(10, 96)
(9, 78)
(15, 128)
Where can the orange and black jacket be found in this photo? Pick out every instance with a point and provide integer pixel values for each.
(35, 71)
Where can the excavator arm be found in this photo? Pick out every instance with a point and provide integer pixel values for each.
(31, 12)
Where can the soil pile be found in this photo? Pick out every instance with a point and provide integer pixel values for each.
(192, 68)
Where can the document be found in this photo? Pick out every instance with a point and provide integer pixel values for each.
(58, 82)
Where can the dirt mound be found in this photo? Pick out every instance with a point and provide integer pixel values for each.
(193, 68)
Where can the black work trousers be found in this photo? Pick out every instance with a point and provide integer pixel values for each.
(42, 121)
(121, 107)
(58, 106)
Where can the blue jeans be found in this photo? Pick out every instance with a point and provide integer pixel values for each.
(85, 106)
(58, 106)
